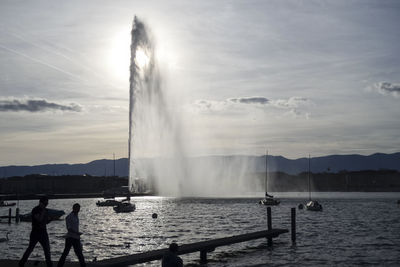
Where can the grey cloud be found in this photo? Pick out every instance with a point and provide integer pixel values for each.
(208, 106)
(228, 104)
(250, 100)
(388, 88)
(293, 105)
(292, 102)
(35, 105)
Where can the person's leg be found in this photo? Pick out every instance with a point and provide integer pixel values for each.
(33, 239)
(78, 251)
(44, 241)
(68, 245)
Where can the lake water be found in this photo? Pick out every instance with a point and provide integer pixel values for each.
(354, 229)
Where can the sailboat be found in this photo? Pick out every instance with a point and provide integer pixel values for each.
(311, 205)
(269, 200)
(125, 205)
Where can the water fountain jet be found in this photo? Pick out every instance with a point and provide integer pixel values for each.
(152, 126)
(159, 140)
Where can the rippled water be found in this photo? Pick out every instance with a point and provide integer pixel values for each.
(350, 231)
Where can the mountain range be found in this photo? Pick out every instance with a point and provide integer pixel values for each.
(332, 163)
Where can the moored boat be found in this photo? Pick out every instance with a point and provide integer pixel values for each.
(269, 200)
(6, 204)
(108, 203)
(124, 207)
(312, 205)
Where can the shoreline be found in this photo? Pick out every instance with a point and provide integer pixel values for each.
(65, 196)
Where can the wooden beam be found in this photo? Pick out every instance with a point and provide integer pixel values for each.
(203, 247)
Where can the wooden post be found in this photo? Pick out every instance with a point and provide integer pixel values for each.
(17, 215)
(293, 223)
(9, 215)
(269, 223)
(203, 256)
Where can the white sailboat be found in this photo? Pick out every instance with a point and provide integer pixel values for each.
(269, 200)
(311, 205)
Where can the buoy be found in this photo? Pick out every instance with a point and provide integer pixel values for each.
(301, 206)
(154, 215)
(5, 239)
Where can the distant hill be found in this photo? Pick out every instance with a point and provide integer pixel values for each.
(103, 167)
(332, 163)
(336, 163)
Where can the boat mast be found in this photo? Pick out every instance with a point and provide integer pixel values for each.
(114, 162)
(309, 185)
(266, 173)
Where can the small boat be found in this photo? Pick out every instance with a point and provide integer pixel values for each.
(124, 207)
(6, 204)
(269, 200)
(51, 214)
(108, 203)
(312, 205)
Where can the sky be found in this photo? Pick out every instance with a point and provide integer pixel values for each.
(296, 77)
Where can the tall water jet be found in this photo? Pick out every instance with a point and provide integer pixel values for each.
(139, 41)
(159, 136)
(152, 127)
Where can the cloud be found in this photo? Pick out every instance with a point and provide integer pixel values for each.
(35, 105)
(291, 103)
(205, 106)
(387, 88)
(228, 104)
(244, 104)
(250, 100)
(51, 66)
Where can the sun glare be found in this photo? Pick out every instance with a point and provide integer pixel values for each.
(141, 58)
(120, 54)
(119, 57)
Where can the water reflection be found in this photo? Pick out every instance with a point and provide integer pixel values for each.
(340, 235)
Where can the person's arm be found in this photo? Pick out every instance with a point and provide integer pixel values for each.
(48, 218)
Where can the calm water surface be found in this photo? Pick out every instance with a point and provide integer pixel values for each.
(349, 232)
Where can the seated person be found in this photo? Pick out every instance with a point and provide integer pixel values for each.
(171, 258)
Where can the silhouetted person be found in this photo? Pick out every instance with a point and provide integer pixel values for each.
(171, 258)
(73, 237)
(39, 232)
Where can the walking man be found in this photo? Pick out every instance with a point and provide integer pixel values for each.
(73, 237)
(39, 232)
